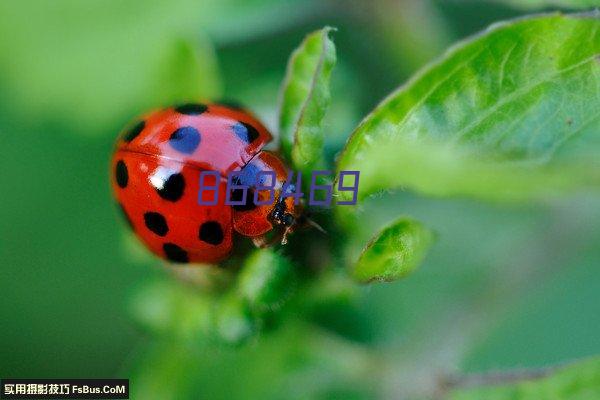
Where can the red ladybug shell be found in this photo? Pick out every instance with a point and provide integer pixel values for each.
(155, 177)
(158, 197)
(212, 137)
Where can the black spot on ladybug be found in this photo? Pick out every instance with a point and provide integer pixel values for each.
(211, 233)
(245, 131)
(156, 223)
(171, 188)
(134, 131)
(191, 109)
(121, 174)
(175, 253)
(125, 215)
(185, 140)
(248, 205)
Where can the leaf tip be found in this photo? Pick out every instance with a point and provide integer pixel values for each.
(395, 252)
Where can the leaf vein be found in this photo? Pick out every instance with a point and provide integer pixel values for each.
(515, 95)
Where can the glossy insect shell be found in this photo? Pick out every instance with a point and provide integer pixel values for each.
(155, 173)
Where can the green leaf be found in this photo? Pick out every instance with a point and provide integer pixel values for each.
(305, 98)
(267, 281)
(511, 114)
(533, 4)
(394, 253)
(579, 381)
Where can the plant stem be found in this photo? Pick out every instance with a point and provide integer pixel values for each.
(497, 378)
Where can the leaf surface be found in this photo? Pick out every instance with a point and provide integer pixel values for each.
(305, 97)
(266, 281)
(510, 114)
(393, 253)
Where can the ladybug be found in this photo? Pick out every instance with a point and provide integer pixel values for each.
(155, 174)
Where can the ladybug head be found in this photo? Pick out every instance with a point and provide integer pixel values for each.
(285, 214)
(280, 216)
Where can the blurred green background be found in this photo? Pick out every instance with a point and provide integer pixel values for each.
(505, 286)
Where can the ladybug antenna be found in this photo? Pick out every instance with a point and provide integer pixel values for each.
(315, 225)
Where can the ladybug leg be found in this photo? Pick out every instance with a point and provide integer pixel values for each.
(288, 230)
(283, 219)
(310, 222)
(260, 241)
